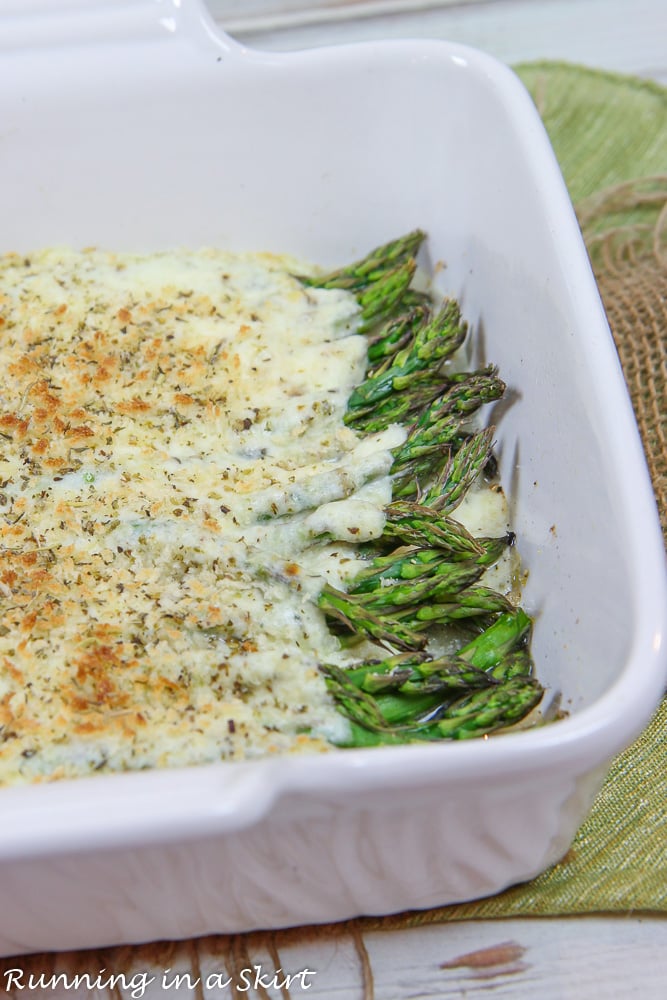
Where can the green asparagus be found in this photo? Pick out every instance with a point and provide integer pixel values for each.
(373, 267)
(427, 570)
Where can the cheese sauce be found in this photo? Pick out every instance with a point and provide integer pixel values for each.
(174, 479)
(176, 485)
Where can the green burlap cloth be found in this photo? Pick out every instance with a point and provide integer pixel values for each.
(610, 136)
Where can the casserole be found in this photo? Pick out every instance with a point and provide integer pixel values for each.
(141, 127)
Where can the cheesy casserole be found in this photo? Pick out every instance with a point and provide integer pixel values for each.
(171, 446)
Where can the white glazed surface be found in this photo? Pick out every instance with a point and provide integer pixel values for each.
(140, 127)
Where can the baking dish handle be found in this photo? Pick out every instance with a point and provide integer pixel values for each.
(54, 23)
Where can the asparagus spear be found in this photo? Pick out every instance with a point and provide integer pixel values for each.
(385, 713)
(464, 468)
(390, 720)
(441, 420)
(400, 408)
(518, 663)
(395, 335)
(432, 578)
(372, 267)
(449, 473)
(473, 602)
(376, 675)
(352, 701)
(380, 300)
(433, 342)
(423, 479)
(493, 708)
(419, 524)
(413, 674)
(509, 632)
(350, 613)
(475, 713)
(405, 563)
(409, 575)
(445, 584)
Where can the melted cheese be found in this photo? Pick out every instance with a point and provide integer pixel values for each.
(176, 484)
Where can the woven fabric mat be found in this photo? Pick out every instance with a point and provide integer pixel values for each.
(610, 136)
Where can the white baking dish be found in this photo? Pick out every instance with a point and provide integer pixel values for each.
(138, 125)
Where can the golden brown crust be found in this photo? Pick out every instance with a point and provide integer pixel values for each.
(127, 417)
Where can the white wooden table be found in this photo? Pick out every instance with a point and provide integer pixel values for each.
(539, 959)
(594, 958)
(629, 36)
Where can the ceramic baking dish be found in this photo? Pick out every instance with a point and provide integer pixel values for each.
(139, 125)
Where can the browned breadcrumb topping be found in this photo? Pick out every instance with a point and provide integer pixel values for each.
(153, 414)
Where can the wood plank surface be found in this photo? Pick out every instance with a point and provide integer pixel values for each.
(605, 958)
(628, 36)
